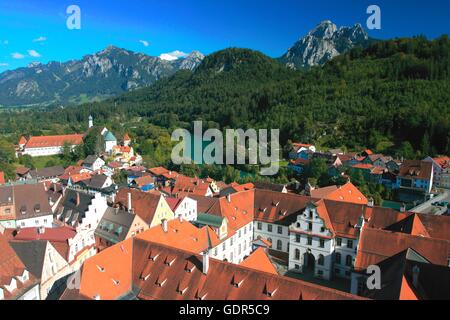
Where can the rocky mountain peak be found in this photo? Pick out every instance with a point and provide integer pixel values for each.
(323, 43)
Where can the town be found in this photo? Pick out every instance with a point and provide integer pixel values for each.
(161, 234)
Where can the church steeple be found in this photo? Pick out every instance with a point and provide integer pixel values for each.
(91, 121)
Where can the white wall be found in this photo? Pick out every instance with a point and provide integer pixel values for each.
(236, 247)
(43, 221)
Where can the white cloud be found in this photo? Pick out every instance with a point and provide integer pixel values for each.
(3, 64)
(17, 55)
(34, 53)
(145, 43)
(40, 39)
(174, 55)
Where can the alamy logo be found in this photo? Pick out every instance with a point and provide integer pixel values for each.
(74, 19)
(374, 21)
(241, 147)
(374, 280)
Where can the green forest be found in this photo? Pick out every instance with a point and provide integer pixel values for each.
(392, 97)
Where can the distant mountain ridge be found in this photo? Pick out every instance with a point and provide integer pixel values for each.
(323, 43)
(114, 71)
(107, 73)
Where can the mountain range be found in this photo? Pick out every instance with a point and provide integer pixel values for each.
(114, 71)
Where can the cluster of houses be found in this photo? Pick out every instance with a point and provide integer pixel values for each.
(123, 154)
(164, 235)
(406, 175)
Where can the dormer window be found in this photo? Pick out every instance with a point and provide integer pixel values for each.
(23, 209)
(37, 208)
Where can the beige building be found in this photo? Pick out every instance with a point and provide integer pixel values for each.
(44, 262)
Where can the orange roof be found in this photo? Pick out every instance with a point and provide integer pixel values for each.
(182, 235)
(143, 181)
(54, 141)
(443, 162)
(22, 140)
(363, 166)
(2, 177)
(302, 145)
(346, 193)
(368, 152)
(80, 177)
(244, 187)
(108, 274)
(259, 260)
(122, 149)
(406, 292)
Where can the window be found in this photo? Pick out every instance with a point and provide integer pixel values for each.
(337, 271)
(309, 241)
(350, 244)
(339, 242)
(338, 258)
(349, 261)
(322, 229)
(269, 227)
(322, 243)
(280, 230)
(279, 245)
(297, 238)
(321, 260)
(297, 267)
(297, 254)
(310, 226)
(259, 226)
(320, 273)
(224, 246)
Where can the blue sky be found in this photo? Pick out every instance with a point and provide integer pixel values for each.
(36, 30)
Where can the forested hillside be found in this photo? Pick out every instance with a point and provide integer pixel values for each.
(392, 97)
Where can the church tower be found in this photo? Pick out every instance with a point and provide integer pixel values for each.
(91, 122)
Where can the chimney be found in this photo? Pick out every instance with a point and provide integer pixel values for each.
(371, 202)
(229, 197)
(78, 199)
(416, 274)
(129, 202)
(165, 226)
(403, 208)
(205, 261)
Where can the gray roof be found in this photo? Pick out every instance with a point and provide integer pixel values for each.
(90, 160)
(115, 225)
(269, 186)
(72, 212)
(96, 182)
(46, 173)
(32, 254)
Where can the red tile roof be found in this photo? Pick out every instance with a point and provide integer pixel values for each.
(54, 141)
(416, 169)
(144, 204)
(11, 267)
(377, 245)
(158, 272)
(60, 234)
(22, 140)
